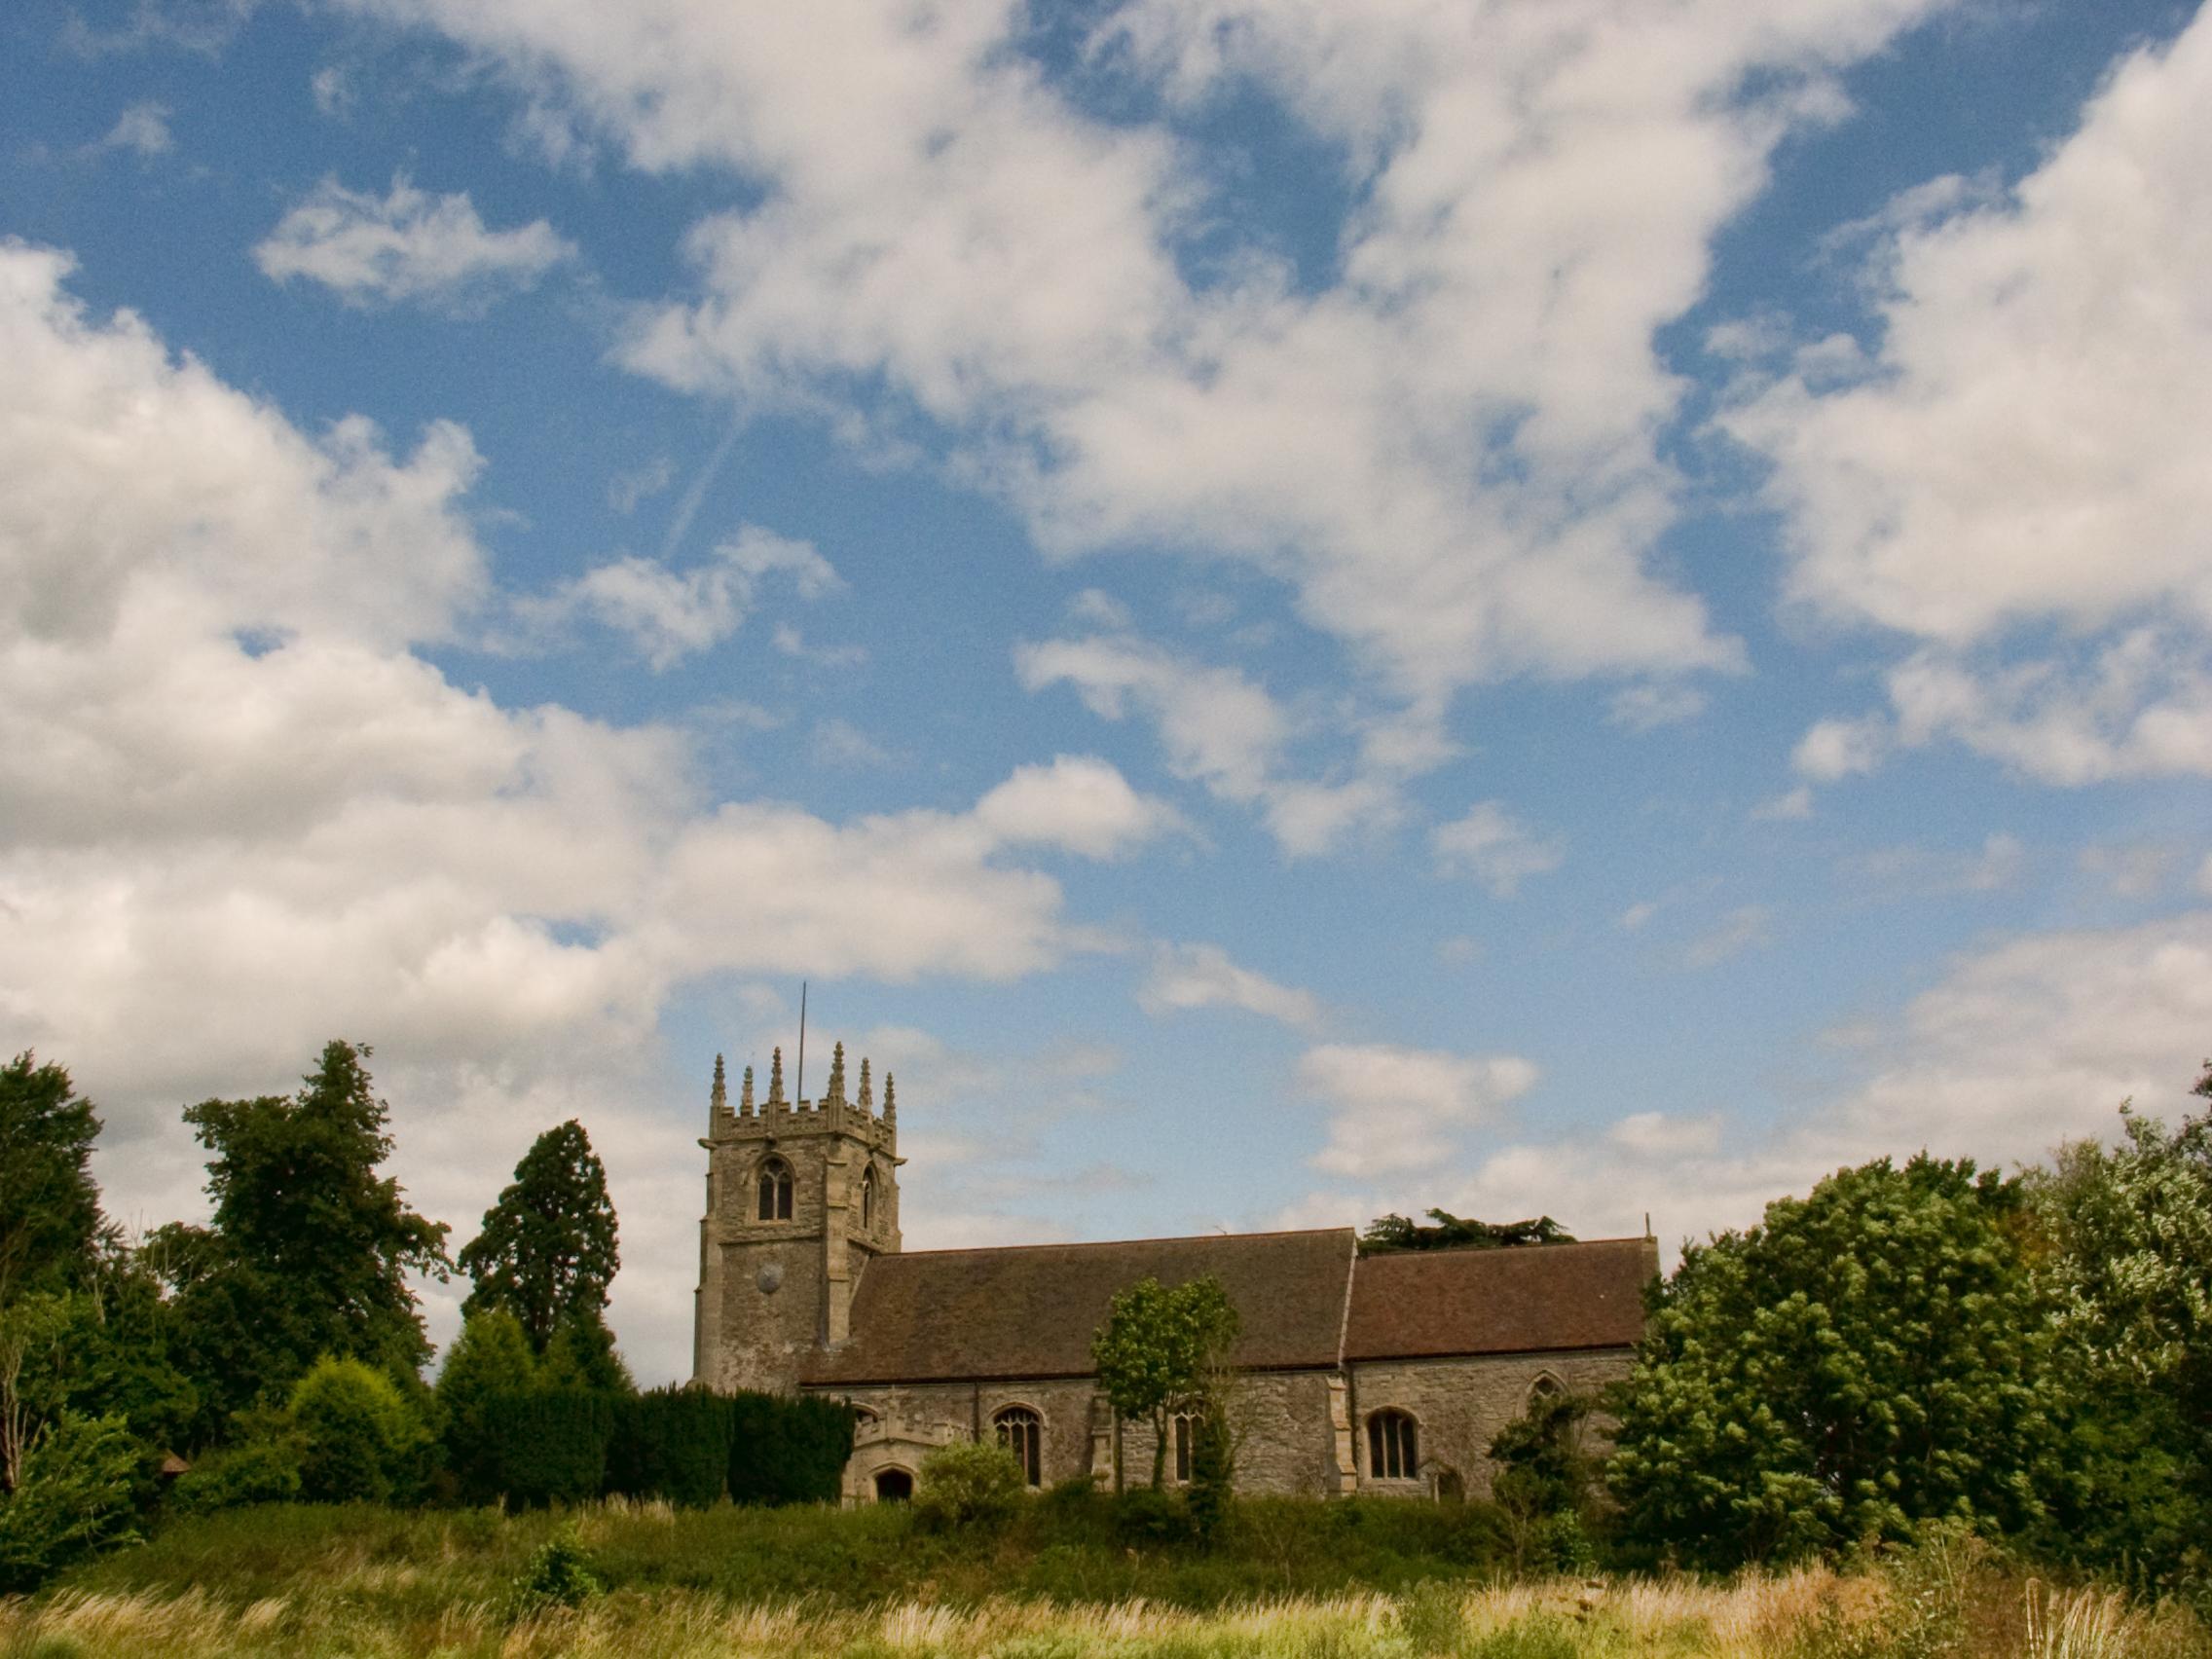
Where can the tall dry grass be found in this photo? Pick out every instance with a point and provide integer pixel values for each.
(1814, 1613)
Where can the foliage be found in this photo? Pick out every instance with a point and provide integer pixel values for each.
(1163, 1348)
(1543, 1481)
(1213, 1470)
(1868, 1358)
(968, 1486)
(581, 1355)
(674, 1443)
(1390, 1232)
(550, 1446)
(559, 1575)
(2126, 1237)
(76, 1495)
(51, 1225)
(1152, 1518)
(785, 1450)
(261, 1470)
(547, 1250)
(310, 1247)
(488, 1363)
(361, 1438)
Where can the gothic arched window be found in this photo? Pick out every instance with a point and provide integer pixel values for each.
(1021, 1431)
(775, 1191)
(1545, 1389)
(868, 1200)
(1183, 1426)
(1394, 1452)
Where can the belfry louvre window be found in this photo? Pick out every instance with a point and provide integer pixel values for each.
(775, 1191)
(1021, 1432)
(1392, 1452)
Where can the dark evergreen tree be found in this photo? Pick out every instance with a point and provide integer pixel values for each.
(547, 1251)
(310, 1247)
(581, 1355)
(1450, 1231)
(50, 1227)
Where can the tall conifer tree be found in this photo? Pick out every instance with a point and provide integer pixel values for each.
(548, 1249)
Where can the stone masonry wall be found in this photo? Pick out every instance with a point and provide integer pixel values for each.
(1458, 1405)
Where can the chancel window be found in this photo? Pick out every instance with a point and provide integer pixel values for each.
(868, 1200)
(1392, 1454)
(775, 1191)
(1021, 1431)
(1184, 1426)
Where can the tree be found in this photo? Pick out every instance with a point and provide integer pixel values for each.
(547, 1251)
(1389, 1232)
(1163, 1347)
(2126, 1237)
(310, 1247)
(1543, 1478)
(51, 1225)
(361, 1440)
(76, 1495)
(581, 1355)
(1869, 1357)
(489, 1362)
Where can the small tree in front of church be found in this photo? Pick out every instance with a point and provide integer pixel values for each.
(1163, 1349)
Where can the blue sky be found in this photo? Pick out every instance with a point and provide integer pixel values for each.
(1290, 610)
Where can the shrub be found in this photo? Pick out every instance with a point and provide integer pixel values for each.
(787, 1450)
(559, 1575)
(1433, 1618)
(359, 1436)
(966, 1485)
(549, 1447)
(74, 1497)
(488, 1365)
(673, 1443)
(1147, 1516)
(259, 1471)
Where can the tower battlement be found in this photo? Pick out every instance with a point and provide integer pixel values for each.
(773, 1116)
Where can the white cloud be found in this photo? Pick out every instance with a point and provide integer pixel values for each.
(144, 129)
(1789, 807)
(1837, 749)
(1202, 976)
(840, 746)
(242, 815)
(1395, 1109)
(1448, 452)
(1633, 919)
(1099, 609)
(1490, 846)
(2021, 1045)
(1926, 871)
(406, 245)
(333, 91)
(625, 490)
(1647, 708)
(669, 616)
(1078, 803)
(2021, 454)
(1743, 928)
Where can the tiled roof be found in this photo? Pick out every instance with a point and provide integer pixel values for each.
(1421, 1304)
(1030, 1311)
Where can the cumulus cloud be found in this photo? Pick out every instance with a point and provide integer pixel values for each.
(144, 129)
(1496, 849)
(1203, 975)
(240, 814)
(2020, 453)
(1448, 447)
(2021, 1045)
(406, 245)
(668, 616)
(1398, 1109)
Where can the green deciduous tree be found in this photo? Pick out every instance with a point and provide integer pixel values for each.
(549, 1248)
(1163, 1348)
(1869, 1357)
(50, 1227)
(2126, 1260)
(309, 1245)
(77, 1494)
(1543, 1478)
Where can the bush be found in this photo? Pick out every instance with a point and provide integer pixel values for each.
(968, 1486)
(559, 1575)
(359, 1437)
(1146, 1517)
(693, 1446)
(549, 1447)
(260, 1471)
(74, 1497)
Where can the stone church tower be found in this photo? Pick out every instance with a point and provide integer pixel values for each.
(799, 1195)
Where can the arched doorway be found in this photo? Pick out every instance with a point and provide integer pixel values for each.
(893, 1485)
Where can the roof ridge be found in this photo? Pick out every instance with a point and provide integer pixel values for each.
(1505, 1249)
(1109, 1243)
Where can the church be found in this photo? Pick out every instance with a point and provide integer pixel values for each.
(1381, 1374)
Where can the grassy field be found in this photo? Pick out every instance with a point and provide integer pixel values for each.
(316, 1584)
